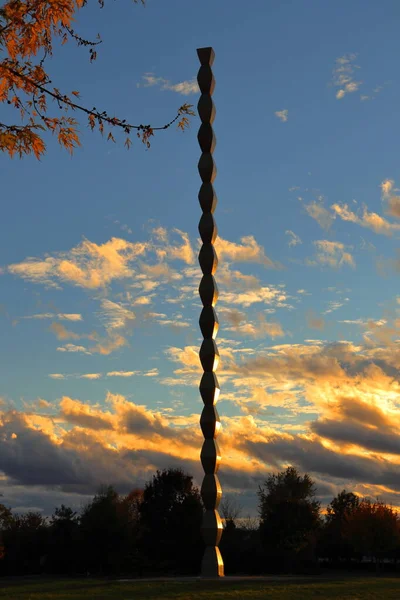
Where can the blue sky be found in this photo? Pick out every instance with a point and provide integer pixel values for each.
(98, 263)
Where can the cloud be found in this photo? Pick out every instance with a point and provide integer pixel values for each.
(354, 321)
(73, 348)
(235, 280)
(123, 227)
(142, 300)
(174, 324)
(106, 346)
(335, 305)
(394, 207)
(83, 415)
(160, 233)
(151, 373)
(93, 266)
(392, 201)
(310, 455)
(88, 265)
(62, 333)
(386, 187)
(298, 378)
(122, 443)
(247, 251)
(70, 317)
(349, 391)
(314, 321)
(380, 332)
(355, 434)
(270, 295)
(122, 373)
(331, 254)
(259, 329)
(294, 239)
(287, 388)
(368, 219)
(187, 358)
(35, 270)
(58, 376)
(164, 272)
(362, 424)
(79, 459)
(343, 75)
(184, 87)
(283, 115)
(115, 315)
(365, 245)
(320, 214)
(183, 252)
(233, 317)
(60, 316)
(140, 421)
(376, 90)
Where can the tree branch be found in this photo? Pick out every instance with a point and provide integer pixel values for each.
(81, 41)
(184, 109)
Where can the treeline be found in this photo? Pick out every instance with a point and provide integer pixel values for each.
(156, 531)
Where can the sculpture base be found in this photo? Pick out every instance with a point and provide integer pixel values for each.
(212, 565)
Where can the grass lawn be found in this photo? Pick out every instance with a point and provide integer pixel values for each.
(350, 588)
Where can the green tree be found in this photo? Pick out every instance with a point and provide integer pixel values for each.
(171, 515)
(289, 517)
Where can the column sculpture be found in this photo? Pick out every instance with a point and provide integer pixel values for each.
(212, 563)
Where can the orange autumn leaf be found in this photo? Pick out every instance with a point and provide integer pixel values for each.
(92, 122)
(38, 146)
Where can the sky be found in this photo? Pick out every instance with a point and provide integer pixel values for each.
(99, 304)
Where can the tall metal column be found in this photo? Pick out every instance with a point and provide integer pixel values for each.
(212, 563)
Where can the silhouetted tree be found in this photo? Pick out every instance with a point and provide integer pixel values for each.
(333, 544)
(289, 517)
(232, 539)
(5, 516)
(230, 510)
(250, 523)
(25, 543)
(64, 544)
(157, 530)
(170, 517)
(374, 530)
(104, 532)
(129, 513)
